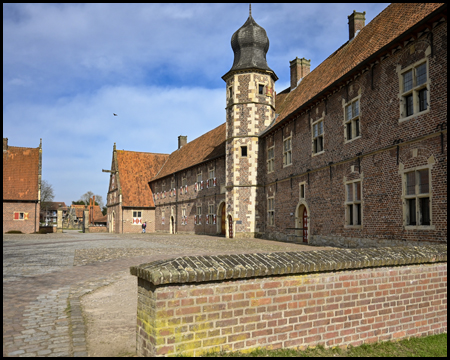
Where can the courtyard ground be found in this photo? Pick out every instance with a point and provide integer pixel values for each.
(71, 294)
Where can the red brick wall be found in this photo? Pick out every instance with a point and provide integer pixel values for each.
(98, 229)
(382, 217)
(26, 226)
(339, 308)
(191, 199)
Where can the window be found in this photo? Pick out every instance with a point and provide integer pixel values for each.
(414, 90)
(244, 151)
(317, 132)
(183, 180)
(183, 216)
(210, 219)
(198, 220)
(270, 159)
(162, 217)
(353, 204)
(20, 215)
(287, 151)
(199, 177)
(352, 120)
(230, 92)
(212, 177)
(261, 89)
(417, 197)
(270, 212)
(302, 191)
(137, 217)
(172, 183)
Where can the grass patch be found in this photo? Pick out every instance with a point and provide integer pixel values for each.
(428, 346)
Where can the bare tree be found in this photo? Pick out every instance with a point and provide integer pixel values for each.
(47, 195)
(98, 199)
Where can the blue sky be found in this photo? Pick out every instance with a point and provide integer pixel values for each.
(68, 67)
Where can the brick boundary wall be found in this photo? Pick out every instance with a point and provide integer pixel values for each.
(336, 297)
(97, 229)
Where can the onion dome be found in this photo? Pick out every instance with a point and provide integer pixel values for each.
(250, 45)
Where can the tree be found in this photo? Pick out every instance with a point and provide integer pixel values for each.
(84, 199)
(47, 194)
(104, 210)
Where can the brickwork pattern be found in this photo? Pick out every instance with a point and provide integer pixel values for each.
(387, 147)
(26, 226)
(333, 308)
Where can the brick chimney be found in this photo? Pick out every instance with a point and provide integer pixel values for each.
(356, 22)
(5, 144)
(182, 140)
(299, 69)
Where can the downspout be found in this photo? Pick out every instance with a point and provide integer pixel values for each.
(175, 231)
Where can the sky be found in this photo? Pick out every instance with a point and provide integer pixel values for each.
(68, 67)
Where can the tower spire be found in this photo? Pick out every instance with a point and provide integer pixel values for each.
(250, 10)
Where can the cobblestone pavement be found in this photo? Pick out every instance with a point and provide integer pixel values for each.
(44, 276)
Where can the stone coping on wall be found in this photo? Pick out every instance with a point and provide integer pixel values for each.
(196, 269)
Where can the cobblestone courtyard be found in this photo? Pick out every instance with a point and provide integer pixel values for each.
(44, 277)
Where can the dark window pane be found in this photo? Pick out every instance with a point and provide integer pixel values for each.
(349, 131)
(409, 105)
(315, 145)
(350, 214)
(261, 89)
(425, 211)
(348, 112)
(357, 127)
(421, 74)
(243, 150)
(423, 182)
(412, 211)
(423, 100)
(411, 183)
(320, 143)
(358, 214)
(407, 81)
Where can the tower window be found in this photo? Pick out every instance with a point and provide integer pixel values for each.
(244, 151)
(230, 92)
(261, 89)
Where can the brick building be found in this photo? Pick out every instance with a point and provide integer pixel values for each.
(130, 199)
(22, 169)
(353, 153)
(49, 212)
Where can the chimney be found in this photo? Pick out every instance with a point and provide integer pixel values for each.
(182, 140)
(356, 22)
(299, 69)
(5, 144)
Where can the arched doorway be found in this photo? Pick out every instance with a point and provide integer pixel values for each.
(230, 227)
(222, 219)
(302, 221)
(172, 225)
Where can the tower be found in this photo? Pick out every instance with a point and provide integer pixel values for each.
(250, 109)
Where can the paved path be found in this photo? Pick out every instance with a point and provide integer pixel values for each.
(44, 277)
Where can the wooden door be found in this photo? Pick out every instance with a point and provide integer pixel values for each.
(222, 221)
(305, 225)
(230, 226)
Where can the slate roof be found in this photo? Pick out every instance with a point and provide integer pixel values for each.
(206, 147)
(383, 29)
(21, 173)
(135, 170)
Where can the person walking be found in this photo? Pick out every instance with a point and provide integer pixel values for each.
(144, 225)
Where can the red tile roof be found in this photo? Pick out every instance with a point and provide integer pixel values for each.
(97, 213)
(135, 170)
(384, 28)
(206, 147)
(20, 173)
(54, 206)
(78, 210)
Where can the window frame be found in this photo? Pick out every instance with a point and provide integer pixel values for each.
(211, 214)
(261, 89)
(351, 206)
(411, 100)
(322, 135)
(271, 160)
(271, 211)
(242, 151)
(354, 121)
(287, 152)
(417, 196)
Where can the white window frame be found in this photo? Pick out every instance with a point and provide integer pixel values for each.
(211, 214)
(287, 151)
(354, 120)
(136, 214)
(414, 90)
(314, 137)
(211, 176)
(351, 204)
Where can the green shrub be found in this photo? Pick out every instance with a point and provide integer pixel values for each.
(14, 232)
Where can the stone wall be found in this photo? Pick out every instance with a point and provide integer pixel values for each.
(97, 229)
(336, 297)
